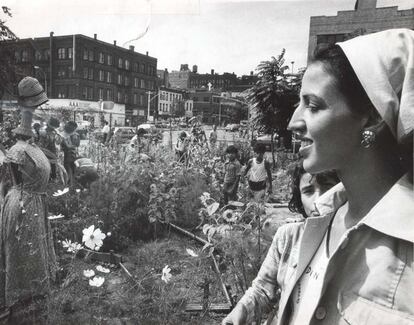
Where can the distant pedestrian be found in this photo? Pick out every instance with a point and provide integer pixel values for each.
(181, 147)
(213, 137)
(106, 130)
(259, 173)
(232, 171)
(70, 144)
(47, 142)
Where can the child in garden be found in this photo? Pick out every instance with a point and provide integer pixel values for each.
(259, 173)
(306, 188)
(232, 171)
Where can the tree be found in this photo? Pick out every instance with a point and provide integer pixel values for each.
(273, 98)
(8, 68)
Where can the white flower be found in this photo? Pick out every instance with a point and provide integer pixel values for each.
(93, 238)
(102, 269)
(61, 192)
(191, 252)
(89, 273)
(166, 275)
(108, 234)
(97, 281)
(78, 190)
(58, 216)
(72, 247)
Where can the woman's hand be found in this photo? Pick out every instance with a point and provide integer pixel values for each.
(238, 316)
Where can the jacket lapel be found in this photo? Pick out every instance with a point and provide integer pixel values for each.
(313, 233)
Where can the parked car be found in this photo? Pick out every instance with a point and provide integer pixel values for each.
(147, 126)
(232, 127)
(123, 134)
(266, 140)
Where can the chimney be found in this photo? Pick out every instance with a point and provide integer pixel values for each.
(212, 71)
(184, 67)
(365, 4)
(147, 53)
(115, 42)
(166, 70)
(195, 68)
(251, 73)
(131, 48)
(95, 36)
(51, 34)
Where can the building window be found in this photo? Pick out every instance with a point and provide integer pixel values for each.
(109, 59)
(136, 82)
(90, 73)
(61, 92)
(109, 94)
(142, 83)
(109, 77)
(127, 64)
(90, 54)
(142, 68)
(101, 58)
(70, 53)
(70, 72)
(119, 79)
(101, 75)
(84, 93)
(85, 73)
(71, 93)
(120, 63)
(17, 56)
(100, 94)
(119, 97)
(24, 56)
(135, 99)
(126, 81)
(61, 53)
(90, 93)
(126, 98)
(85, 54)
(38, 55)
(135, 66)
(141, 99)
(61, 72)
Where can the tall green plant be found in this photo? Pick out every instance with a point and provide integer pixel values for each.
(273, 97)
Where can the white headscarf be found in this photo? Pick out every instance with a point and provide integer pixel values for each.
(384, 64)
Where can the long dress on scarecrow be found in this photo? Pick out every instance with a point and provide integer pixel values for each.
(27, 257)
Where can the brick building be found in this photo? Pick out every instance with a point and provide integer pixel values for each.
(87, 69)
(186, 79)
(214, 108)
(366, 18)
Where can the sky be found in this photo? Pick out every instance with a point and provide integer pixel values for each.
(224, 35)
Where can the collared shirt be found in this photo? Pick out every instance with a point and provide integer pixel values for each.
(369, 278)
(232, 171)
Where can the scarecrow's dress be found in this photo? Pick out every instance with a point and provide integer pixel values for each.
(27, 257)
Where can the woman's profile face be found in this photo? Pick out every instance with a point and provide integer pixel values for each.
(310, 189)
(330, 133)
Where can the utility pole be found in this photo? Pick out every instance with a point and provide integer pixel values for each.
(149, 102)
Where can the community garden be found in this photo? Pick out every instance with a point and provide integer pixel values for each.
(123, 254)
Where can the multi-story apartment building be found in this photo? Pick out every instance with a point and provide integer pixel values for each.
(214, 108)
(173, 103)
(366, 18)
(186, 79)
(79, 67)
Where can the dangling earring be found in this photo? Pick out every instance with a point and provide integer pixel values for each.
(368, 138)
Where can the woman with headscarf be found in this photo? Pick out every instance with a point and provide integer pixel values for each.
(27, 258)
(351, 263)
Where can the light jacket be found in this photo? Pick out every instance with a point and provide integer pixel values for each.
(369, 278)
